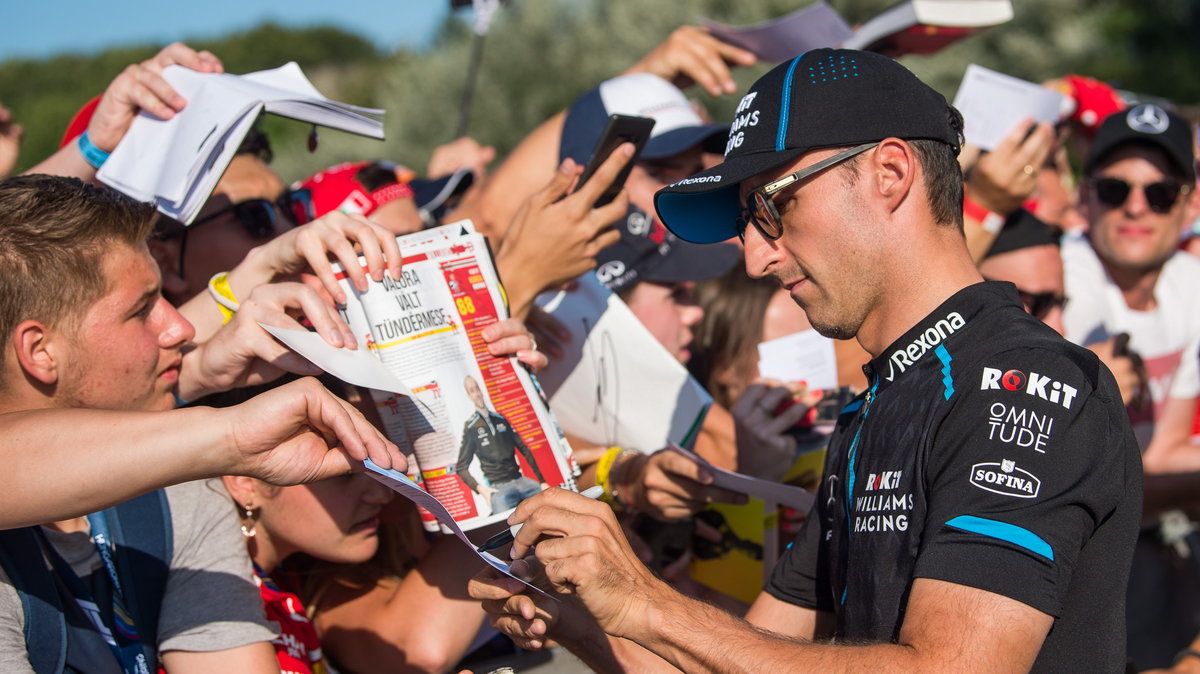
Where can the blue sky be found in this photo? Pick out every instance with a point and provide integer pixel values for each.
(39, 28)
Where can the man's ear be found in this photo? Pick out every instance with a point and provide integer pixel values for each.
(166, 254)
(37, 350)
(894, 171)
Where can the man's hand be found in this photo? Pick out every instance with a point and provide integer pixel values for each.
(10, 142)
(580, 545)
(691, 55)
(1006, 176)
(668, 485)
(241, 353)
(485, 492)
(550, 335)
(340, 235)
(300, 432)
(555, 236)
(764, 448)
(465, 152)
(141, 87)
(524, 618)
(510, 338)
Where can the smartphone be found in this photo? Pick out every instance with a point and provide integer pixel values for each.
(620, 129)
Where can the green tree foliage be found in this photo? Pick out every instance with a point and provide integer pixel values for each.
(45, 94)
(541, 54)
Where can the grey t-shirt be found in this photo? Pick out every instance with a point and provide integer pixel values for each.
(211, 602)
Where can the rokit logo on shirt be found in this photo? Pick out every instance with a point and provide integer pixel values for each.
(1034, 385)
(1006, 479)
(878, 512)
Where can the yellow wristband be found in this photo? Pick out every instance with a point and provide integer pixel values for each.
(222, 294)
(604, 467)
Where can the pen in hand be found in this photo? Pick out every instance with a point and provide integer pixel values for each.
(505, 537)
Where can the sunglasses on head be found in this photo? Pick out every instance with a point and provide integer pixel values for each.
(760, 207)
(1160, 196)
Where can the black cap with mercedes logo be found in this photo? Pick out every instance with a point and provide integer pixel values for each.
(648, 252)
(1145, 124)
(823, 98)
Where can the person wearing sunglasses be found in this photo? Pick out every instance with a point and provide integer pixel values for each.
(1126, 275)
(929, 547)
(1025, 253)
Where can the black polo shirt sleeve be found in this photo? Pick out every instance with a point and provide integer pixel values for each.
(1021, 472)
(800, 577)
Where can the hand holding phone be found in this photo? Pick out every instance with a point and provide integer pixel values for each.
(620, 129)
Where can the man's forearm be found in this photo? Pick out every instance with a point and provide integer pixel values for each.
(66, 463)
(696, 637)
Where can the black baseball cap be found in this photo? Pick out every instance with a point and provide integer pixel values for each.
(648, 252)
(822, 98)
(1145, 124)
(677, 125)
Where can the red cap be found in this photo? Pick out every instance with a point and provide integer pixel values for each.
(1094, 101)
(79, 123)
(338, 188)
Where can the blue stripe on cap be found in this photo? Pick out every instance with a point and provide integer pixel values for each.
(787, 100)
(1004, 531)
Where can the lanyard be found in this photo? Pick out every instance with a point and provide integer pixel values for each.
(122, 637)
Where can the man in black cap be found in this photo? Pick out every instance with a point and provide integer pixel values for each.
(1127, 276)
(979, 500)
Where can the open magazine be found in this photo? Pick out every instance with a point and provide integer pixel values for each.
(477, 433)
(177, 162)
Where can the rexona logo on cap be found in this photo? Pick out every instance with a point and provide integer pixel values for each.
(1006, 479)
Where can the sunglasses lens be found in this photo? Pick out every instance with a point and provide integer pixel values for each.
(764, 216)
(1040, 304)
(297, 204)
(258, 217)
(1112, 192)
(1161, 196)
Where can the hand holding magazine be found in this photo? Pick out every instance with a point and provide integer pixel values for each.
(478, 434)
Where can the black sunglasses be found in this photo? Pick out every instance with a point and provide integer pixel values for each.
(1038, 305)
(1041, 304)
(1160, 196)
(297, 204)
(760, 206)
(259, 217)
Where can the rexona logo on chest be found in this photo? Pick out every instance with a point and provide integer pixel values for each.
(1006, 479)
(902, 359)
(1034, 385)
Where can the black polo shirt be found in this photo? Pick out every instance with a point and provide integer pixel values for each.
(988, 452)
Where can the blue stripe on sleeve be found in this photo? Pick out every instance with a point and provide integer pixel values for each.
(1004, 531)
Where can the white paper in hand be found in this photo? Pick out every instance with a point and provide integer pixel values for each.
(357, 366)
(803, 356)
(992, 104)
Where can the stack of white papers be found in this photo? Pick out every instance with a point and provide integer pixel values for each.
(177, 162)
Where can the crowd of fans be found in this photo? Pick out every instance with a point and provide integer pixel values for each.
(183, 490)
